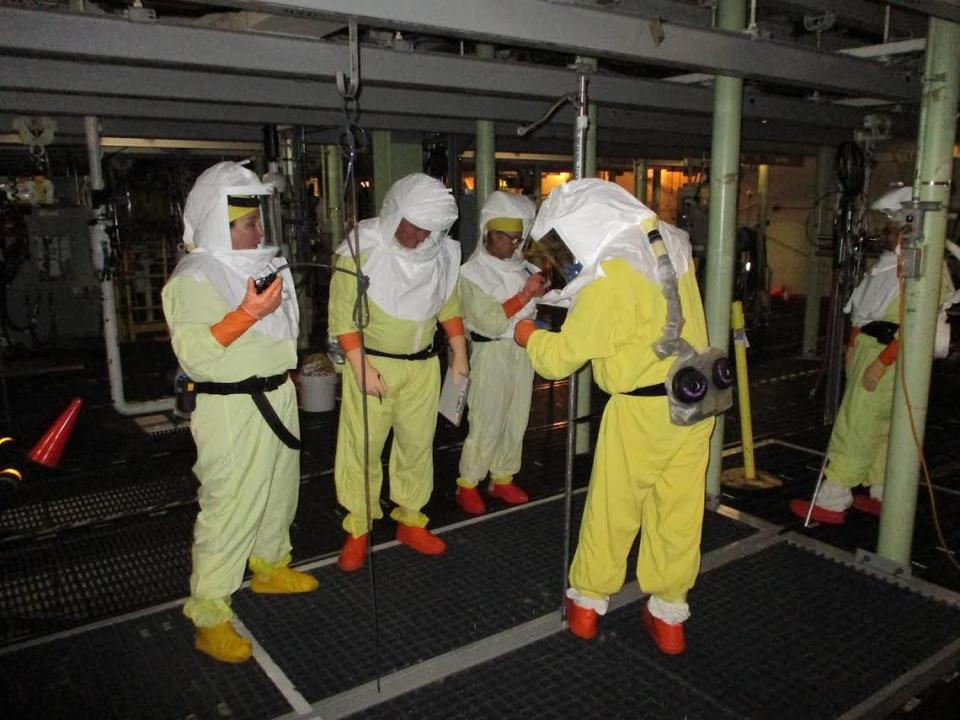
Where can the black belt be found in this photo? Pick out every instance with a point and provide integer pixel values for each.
(255, 387)
(425, 354)
(883, 331)
(477, 337)
(659, 390)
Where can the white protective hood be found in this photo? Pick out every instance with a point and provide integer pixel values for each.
(503, 278)
(411, 284)
(206, 235)
(873, 295)
(599, 221)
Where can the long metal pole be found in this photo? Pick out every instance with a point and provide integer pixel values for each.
(721, 246)
(585, 376)
(485, 175)
(579, 168)
(938, 126)
(822, 206)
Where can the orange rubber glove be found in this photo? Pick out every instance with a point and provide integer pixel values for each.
(536, 285)
(523, 331)
(236, 322)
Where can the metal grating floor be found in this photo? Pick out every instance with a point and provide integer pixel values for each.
(497, 574)
(144, 668)
(780, 633)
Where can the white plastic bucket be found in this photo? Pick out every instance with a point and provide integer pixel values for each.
(318, 393)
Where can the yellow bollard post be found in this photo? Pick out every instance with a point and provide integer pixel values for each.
(746, 476)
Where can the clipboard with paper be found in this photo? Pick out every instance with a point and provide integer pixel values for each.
(453, 396)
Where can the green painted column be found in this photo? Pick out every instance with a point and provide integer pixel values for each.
(763, 203)
(333, 169)
(721, 243)
(640, 180)
(655, 190)
(938, 126)
(815, 266)
(381, 166)
(485, 175)
(392, 160)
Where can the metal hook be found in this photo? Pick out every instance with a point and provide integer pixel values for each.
(349, 93)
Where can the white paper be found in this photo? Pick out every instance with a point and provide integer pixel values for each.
(453, 397)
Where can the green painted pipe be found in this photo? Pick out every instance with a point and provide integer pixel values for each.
(938, 126)
(721, 242)
(485, 174)
(333, 164)
(824, 189)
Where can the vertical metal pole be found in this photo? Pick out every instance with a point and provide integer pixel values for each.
(333, 165)
(823, 203)
(485, 173)
(579, 168)
(640, 180)
(938, 126)
(721, 244)
(585, 376)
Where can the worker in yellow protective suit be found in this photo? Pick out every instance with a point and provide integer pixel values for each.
(412, 267)
(237, 344)
(498, 289)
(857, 453)
(647, 473)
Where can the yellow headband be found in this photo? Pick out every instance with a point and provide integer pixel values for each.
(506, 225)
(238, 206)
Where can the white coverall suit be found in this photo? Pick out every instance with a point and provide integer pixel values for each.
(501, 376)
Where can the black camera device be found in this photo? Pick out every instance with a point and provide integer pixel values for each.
(263, 283)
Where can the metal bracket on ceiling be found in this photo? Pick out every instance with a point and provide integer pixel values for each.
(348, 88)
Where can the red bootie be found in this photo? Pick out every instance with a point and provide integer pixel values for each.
(582, 621)
(829, 517)
(420, 539)
(469, 500)
(509, 493)
(867, 504)
(353, 554)
(666, 636)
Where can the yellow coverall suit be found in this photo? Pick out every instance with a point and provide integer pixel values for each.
(858, 443)
(409, 407)
(249, 480)
(501, 383)
(646, 472)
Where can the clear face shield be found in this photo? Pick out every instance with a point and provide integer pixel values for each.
(253, 213)
(555, 260)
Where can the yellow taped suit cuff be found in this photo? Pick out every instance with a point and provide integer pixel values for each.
(263, 567)
(233, 325)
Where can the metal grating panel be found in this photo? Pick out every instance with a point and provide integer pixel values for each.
(144, 668)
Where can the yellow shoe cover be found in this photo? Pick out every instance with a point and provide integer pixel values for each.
(222, 643)
(283, 581)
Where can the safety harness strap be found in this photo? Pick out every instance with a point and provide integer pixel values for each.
(659, 390)
(881, 330)
(425, 354)
(256, 387)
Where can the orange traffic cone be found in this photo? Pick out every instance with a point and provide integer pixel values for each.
(49, 448)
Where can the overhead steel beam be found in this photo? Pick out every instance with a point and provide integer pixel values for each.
(666, 10)
(944, 9)
(858, 14)
(244, 99)
(593, 32)
(80, 37)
